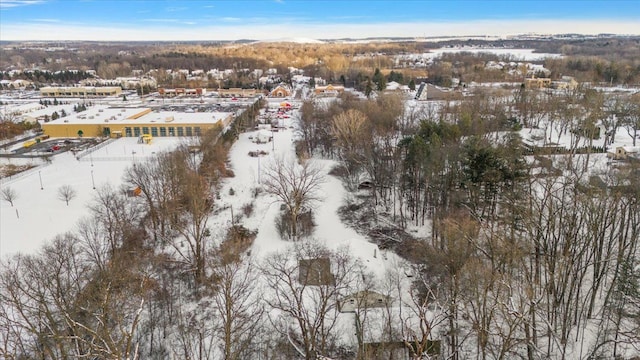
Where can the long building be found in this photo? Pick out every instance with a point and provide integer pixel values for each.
(127, 122)
(80, 91)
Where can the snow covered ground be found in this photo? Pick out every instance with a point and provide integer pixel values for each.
(38, 215)
(513, 54)
(329, 231)
(517, 54)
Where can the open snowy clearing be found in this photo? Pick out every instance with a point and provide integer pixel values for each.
(516, 54)
(39, 215)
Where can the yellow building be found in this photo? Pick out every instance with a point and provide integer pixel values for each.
(329, 90)
(80, 92)
(135, 122)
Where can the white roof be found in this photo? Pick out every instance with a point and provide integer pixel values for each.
(98, 115)
(631, 149)
(184, 117)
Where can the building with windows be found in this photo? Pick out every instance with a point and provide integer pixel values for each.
(80, 91)
(329, 90)
(181, 91)
(280, 91)
(135, 122)
(238, 92)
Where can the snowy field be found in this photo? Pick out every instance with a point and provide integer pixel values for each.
(38, 215)
(517, 54)
(514, 54)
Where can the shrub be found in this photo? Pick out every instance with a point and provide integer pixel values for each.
(247, 209)
(305, 224)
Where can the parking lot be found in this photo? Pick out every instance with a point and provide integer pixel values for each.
(57, 145)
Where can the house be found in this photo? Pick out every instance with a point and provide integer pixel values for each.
(624, 153)
(280, 91)
(364, 300)
(315, 272)
(329, 90)
(537, 83)
(394, 86)
(379, 332)
(566, 83)
(134, 192)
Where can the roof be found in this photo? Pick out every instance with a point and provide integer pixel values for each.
(104, 114)
(315, 271)
(631, 149)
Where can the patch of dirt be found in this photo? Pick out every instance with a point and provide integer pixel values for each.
(11, 169)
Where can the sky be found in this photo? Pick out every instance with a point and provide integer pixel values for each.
(173, 20)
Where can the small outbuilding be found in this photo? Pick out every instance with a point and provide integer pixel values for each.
(365, 299)
(624, 152)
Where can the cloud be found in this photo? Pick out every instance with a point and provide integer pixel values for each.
(230, 19)
(5, 4)
(46, 20)
(175, 30)
(176, 8)
(161, 20)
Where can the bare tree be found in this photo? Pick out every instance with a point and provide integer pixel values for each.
(239, 308)
(305, 312)
(631, 115)
(66, 193)
(294, 185)
(191, 222)
(9, 195)
(348, 128)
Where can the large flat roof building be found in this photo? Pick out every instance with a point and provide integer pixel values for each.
(128, 122)
(80, 91)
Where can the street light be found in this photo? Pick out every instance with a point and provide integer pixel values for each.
(40, 176)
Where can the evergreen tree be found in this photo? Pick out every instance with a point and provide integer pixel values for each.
(368, 88)
(379, 80)
(412, 85)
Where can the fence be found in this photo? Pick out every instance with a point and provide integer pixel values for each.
(116, 158)
(90, 150)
